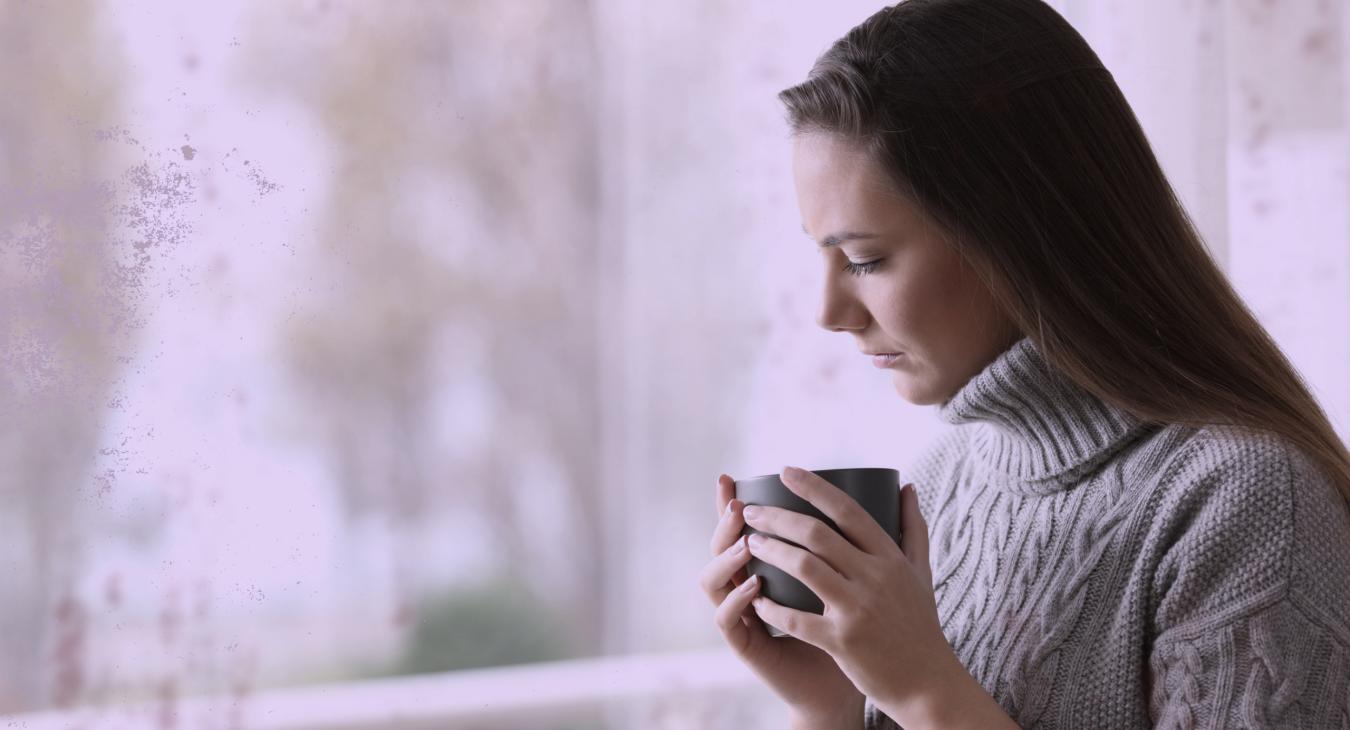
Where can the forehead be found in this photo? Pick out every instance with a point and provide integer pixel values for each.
(825, 152)
(840, 185)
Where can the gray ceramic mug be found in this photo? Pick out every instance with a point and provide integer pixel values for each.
(876, 489)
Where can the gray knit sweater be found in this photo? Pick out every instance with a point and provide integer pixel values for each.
(1095, 571)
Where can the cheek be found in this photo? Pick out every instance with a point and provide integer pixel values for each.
(916, 300)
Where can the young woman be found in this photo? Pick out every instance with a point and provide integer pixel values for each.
(1139, 518)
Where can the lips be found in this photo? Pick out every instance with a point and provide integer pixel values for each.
(883, 361)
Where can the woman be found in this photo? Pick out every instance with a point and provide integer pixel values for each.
(1140, 517)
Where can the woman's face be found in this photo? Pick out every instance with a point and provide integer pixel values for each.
(914, 296)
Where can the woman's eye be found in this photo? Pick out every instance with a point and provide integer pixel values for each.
(859, 269)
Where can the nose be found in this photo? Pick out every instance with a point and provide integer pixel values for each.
(840, 311)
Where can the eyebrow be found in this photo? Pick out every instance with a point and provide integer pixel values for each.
(839, 238)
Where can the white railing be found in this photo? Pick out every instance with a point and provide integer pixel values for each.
(524, 696)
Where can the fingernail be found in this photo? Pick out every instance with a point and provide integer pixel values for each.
(751, 583)
(750, 512)
(738, 547)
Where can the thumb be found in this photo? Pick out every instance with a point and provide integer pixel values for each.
(913, 529)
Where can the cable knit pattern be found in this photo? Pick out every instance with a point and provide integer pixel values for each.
(1096, 571)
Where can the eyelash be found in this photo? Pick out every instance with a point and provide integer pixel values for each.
(860, 269)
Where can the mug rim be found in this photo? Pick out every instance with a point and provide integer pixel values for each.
(822, 472)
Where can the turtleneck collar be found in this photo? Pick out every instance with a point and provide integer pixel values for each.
(1032, 429)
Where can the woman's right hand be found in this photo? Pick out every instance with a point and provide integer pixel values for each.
(804, 676)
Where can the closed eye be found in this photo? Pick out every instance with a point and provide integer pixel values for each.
(859, 269)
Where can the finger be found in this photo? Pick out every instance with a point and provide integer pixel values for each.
(853, 521)
(812, 628)
(716, 577)
(814, 573)
(726, 489)
(726, 505)
(729, 613)
(729, 527)
(913, 528)
(804, 530)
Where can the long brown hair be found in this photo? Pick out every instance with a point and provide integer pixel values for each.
(1000, 122)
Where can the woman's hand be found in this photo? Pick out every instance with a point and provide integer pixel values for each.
(804, 676)
(880, 623)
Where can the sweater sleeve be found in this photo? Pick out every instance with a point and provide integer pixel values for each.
(1251, 596)
(1272, 667)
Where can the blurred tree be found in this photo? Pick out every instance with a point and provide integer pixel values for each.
(70, 296)
(461, 217)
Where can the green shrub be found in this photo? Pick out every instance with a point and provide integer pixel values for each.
(494, 624)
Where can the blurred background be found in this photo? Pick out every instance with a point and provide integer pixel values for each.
(372, 364)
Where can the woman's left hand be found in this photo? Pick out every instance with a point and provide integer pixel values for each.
(880, 622)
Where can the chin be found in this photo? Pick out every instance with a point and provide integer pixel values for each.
(918, 396)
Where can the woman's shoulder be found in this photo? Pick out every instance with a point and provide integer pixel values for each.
(1244, 512)
(1236, 465)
